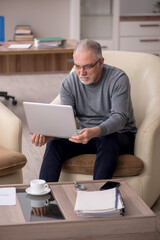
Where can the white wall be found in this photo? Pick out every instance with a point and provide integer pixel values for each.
(48, 18)
(51, 18)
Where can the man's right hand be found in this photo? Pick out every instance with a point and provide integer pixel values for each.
(40, 140)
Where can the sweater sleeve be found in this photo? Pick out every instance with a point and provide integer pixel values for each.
(66, 94)
(119, 114)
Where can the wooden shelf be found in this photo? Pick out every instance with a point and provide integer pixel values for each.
(151, 17)
(36, 59)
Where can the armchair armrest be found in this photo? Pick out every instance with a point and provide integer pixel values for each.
(148, 138)
(56, 100)
(10, 129)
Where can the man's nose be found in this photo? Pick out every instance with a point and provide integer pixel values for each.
(82, 71)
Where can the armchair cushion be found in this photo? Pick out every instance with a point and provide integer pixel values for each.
(10, 161)
(128, 165)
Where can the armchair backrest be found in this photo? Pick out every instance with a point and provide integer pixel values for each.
(143, 71)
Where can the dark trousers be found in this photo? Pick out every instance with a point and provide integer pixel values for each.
(107, 148)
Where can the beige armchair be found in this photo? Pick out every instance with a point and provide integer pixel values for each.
(143, 71)
(11, 158)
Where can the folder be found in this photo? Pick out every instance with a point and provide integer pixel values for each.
(50, 42)
(1, 28)
(105, 203)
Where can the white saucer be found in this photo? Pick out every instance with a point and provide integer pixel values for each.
(29, 191)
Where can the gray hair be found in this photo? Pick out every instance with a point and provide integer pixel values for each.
(92, 45)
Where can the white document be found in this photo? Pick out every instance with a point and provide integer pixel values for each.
(23, 46)
(105, 203)
(96, 200)
(7, 196)
(47, 44)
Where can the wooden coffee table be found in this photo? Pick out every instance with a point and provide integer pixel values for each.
(138, 223)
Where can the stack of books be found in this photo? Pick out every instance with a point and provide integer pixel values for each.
(23, 33)
(51, 42)
(107, 203)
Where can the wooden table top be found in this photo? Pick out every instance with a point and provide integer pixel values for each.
(65, 194)
(137, 223)
(4, 50)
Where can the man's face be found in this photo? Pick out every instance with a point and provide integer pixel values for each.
(87, 66)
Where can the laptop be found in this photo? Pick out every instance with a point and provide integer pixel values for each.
(50, 119)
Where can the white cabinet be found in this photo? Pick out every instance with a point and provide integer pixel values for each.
(140, 33)
(95, 19)
(102, 21)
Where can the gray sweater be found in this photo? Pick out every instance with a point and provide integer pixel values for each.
(106, 104)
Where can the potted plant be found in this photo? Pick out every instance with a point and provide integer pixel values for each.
(156, 8)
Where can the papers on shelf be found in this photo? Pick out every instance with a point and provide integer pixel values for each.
(7, 196)
(49, 42)
(20, 45)
(43, 45)
(105, 203)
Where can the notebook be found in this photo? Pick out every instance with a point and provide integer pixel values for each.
(50, 119)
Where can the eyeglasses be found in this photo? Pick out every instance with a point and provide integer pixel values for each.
(86, 67)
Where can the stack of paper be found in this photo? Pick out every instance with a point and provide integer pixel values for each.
(49, 42)
(20, 45)
(105, 203)
(7, 196)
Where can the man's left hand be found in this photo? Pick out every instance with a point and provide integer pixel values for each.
(86, 135)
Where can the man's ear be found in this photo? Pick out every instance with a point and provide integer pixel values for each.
(102, 62)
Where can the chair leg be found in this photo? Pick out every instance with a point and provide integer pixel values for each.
(7, 97)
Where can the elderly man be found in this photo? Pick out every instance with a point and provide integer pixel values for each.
(100, 97)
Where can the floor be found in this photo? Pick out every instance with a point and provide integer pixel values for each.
(39, 88)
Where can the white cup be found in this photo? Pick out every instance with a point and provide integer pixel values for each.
(39, 203)
(38, 185)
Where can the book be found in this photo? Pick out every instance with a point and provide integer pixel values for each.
(1, 28)
(23, 29)
(107, 203)
(23, 33)
(49, 39)
(23, 37)
(50, 42)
